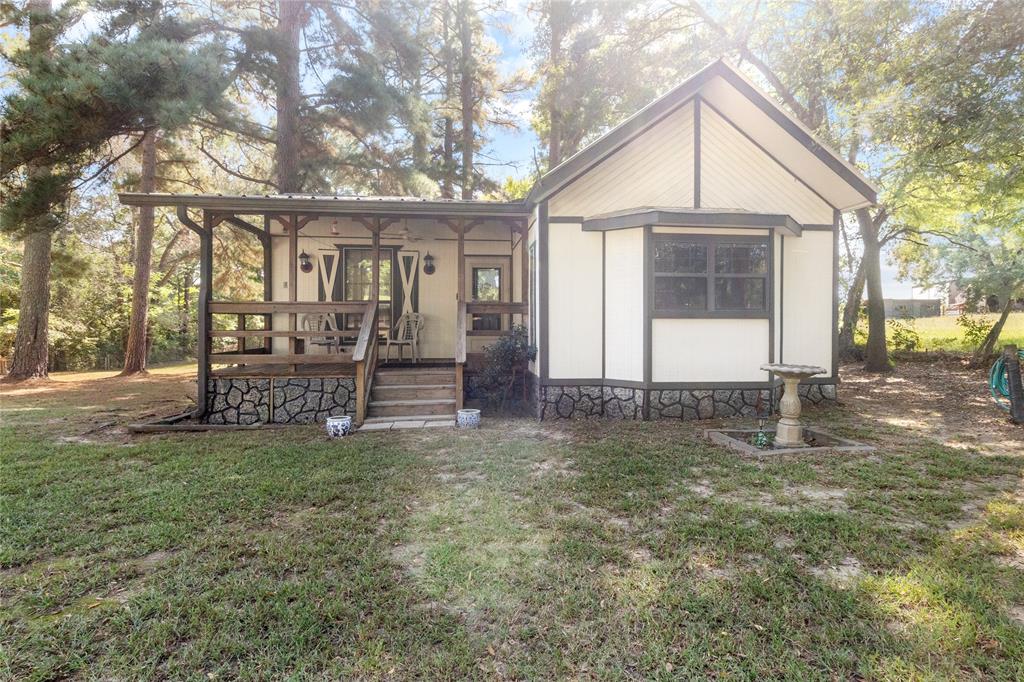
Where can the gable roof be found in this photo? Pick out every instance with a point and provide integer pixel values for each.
(841, 183)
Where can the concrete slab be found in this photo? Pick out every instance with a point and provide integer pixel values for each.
(739, 440)
(408, 425)
(449, 423)
(377, 426)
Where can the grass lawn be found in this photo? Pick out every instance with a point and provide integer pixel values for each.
(943, 333)
(587, 550)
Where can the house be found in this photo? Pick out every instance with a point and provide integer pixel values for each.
(904, 308)
(657, 270)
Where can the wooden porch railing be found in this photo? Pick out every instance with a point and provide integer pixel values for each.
(466, 309)
(266, 308)
(365, 357)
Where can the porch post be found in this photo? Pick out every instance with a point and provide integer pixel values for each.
(205, 283)
(375, 276)
(293, 279)
(524, 266)
(268, 282)
(460, 230)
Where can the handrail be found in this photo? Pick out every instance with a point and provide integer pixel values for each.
(261, 307)
(484, 307)
(365, 358)
(366, 329)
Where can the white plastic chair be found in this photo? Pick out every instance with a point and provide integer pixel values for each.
(320, 322)
(405, 333)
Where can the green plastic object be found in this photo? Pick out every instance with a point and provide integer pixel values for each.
(998, 382)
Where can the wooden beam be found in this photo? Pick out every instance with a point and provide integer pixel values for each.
(375, 264)
(188, 222)
(461, 232)
(270, 333)
(268, 280)
(281, 359)
(266, 307)
(203, 340)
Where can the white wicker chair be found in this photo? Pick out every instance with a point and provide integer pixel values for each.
(405, 333)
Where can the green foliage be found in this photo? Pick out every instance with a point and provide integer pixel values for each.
(975, 329)
(902, 335)
(505, 360)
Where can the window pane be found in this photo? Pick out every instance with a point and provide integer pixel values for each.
(680, 293)
(358, 274)
(675, 255)
(741, 259)
(487, 284)
(739, 293)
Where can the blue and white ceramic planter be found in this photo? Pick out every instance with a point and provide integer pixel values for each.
(339, 426)
(468, 419)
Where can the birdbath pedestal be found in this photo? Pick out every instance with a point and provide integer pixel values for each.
(790, 433)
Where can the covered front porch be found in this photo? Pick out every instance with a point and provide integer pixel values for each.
(339, 274)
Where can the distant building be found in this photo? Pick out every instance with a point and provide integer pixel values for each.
(912, 307)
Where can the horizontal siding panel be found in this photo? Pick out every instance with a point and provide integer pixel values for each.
(654, 169)
(736, 174)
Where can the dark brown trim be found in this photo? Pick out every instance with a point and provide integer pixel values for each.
(836, 217)
(771, 299)
(268, 282)
(773, 112)
(670, 385)
(604, 300)
(696, 150)
(648, 296)
(662, 218)
(782, 295)
(544, 276)
(596, 381)
(815, 227)
(770, 155)
(552, 220)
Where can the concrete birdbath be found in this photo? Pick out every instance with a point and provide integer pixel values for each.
(790, 432)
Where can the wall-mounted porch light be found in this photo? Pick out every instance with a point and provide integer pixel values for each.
(428, 264)
(305, 263)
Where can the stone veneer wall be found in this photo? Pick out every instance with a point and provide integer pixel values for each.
(295, 401)
(582, 402)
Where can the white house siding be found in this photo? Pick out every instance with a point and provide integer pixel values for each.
(711, 350)
(574, 302)
(437, 292)
(736, 174)
(624, 305)
(807, 299)
(654, 169)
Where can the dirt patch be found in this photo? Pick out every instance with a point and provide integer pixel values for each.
(842, 575)
(1016, 614)
(553, 467)
(154, 560)
(944, 400)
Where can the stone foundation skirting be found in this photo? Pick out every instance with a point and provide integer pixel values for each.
(612, 402)
(279, 400)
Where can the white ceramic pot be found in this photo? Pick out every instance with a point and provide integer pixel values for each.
(338, 427)
(468, 419)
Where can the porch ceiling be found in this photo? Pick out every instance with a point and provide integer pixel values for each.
(330, 204)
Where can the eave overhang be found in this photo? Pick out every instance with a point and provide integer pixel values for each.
(622, 220)
(330, 205)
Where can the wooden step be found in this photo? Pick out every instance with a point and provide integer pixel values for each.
(412, 391)
(410, 418)
(399, 408)
(406, 377)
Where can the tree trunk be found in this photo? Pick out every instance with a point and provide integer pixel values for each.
(448, 144)
(30, 353)
(877, 354)
(286, 156)
(137, 347)
(557, 26)
(466, 76)
(31, 341)
(851, 312)
(988, 346)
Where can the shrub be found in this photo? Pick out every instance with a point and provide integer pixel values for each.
(975, 329)
(903, 336)
(505, 362)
